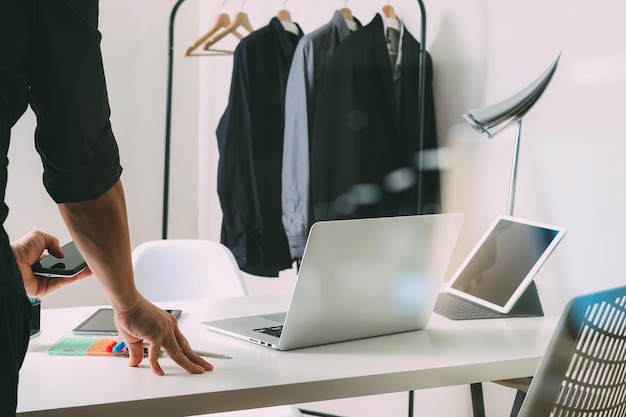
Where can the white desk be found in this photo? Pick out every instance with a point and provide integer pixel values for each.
(446, 353)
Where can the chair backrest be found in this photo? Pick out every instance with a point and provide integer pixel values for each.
(182, 269)
(583, 372)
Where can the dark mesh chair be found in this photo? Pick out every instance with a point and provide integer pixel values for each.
(583, 372)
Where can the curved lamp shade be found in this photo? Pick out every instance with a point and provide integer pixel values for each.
(492, 119)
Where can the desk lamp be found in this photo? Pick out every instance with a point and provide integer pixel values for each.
(491, 120)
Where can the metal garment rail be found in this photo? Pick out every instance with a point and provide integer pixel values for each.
(168, 111)
(168, 123)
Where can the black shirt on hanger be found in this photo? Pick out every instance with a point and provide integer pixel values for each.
(250, 141)
(365, 139)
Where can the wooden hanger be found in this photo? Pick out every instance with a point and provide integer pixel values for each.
(222, 21)
(285, 18)
(389, 12)
(240, 20)
(347, 14)
(391, 21)
(283, 15)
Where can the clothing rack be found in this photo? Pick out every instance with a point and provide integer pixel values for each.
(168, 131)
(168, 111)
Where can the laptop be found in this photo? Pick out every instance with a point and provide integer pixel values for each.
(358, 278)
(496, 279)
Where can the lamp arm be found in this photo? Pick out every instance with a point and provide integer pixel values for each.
(511, 201)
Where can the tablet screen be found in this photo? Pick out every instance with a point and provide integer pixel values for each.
(101, 323)
(505, 261)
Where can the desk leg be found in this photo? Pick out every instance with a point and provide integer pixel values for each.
(517, 404)
(478, 404)
(411, 402)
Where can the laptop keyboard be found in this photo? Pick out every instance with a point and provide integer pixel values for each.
(273, 330)
(458, 309)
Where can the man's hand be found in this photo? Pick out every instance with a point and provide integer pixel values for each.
(100, 230)
(148, 323)
(28, 250)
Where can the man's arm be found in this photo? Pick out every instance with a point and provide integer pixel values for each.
(100, 230)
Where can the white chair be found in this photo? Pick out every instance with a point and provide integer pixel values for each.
(184, 269)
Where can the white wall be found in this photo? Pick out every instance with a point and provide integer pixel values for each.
(571, 171)
(135, 54)
(483, 51)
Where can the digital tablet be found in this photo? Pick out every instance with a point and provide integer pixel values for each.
(503, 263)
(102, 323)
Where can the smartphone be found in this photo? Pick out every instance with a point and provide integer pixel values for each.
(68, 266)
(102, 323)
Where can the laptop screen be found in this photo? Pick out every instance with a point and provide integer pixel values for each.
(504, 261)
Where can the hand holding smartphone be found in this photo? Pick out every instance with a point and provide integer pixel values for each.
(68, 266)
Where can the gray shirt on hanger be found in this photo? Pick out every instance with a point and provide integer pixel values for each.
(305, 76)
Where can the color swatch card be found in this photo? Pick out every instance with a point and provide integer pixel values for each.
(72, 346)
(92, 346)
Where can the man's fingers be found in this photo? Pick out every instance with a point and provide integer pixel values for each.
(56, 283)
(148, 324)
(188, 351)
(183, 361)
(153, 357)
(175, 352)
(195, 358)
(135, 353)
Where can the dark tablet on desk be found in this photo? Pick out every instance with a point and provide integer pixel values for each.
(102, 323)
(497, 276)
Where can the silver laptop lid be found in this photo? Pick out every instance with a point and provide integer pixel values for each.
(369, 277)
(504, 261)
